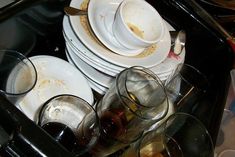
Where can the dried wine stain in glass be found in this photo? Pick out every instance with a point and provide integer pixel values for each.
(113, 122)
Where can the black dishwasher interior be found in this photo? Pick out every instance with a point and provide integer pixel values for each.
(34, 27)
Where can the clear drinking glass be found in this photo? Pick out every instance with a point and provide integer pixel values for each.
(186, 87)
(17, 75)
(182, 135)
(71, 121)
(135, 101)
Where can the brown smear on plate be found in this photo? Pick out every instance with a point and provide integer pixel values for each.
(85, 24)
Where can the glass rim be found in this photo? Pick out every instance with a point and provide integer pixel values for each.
(75, 97)
(186, 115)
(199, 122)
(156, 80)
(195, 70)
(45, 104)
(161, 130)
(22, 57)
(144, 70)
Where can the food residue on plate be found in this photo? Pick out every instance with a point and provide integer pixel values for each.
(136, 30)
(85, 24)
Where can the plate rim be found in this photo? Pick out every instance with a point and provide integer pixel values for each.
(98, 88)
(91, 62)
(104, 82)
(78, 44)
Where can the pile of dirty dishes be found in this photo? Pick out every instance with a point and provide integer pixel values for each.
(114, 36)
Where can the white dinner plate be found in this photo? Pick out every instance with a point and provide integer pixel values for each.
(88, 60)
(96, 87)
(72, 38)
(90, 72)
(165, 67)
(100, 78)
(99, 89)
(149, 58)
(101, 16)
(163, 76)
(55, 76)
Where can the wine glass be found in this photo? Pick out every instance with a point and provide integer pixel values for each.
(186, 87)
(181, 135)
(135, 101)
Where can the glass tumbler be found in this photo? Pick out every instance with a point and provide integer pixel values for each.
(135, 101)
(181, 135)
(17, 75)
(71, 121)
(186, 87)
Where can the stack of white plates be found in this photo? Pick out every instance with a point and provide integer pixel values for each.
(99, 64)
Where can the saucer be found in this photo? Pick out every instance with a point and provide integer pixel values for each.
(150, 57)
(101, 15)
(54, 80)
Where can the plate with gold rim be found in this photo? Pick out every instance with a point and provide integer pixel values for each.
(164, 67)
(150, 57)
